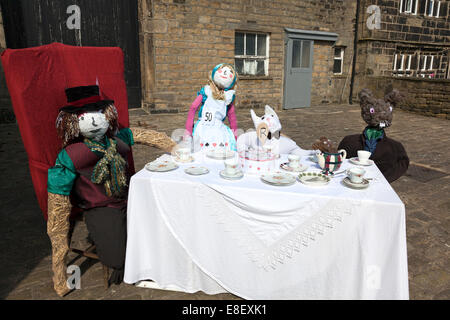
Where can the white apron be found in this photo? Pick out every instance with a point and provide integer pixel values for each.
(210, 132)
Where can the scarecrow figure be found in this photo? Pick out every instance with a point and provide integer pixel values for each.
(216, 102)
(389, 155)
(268, 135)
(92, 173)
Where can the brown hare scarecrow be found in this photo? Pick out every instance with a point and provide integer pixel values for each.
(388, 154)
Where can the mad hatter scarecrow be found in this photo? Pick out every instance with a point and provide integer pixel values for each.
(216, 102)
(389, 155)
(92, 173)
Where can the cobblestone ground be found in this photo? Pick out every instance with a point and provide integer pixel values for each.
(25, 249)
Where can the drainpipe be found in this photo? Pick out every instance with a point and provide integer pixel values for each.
(355, 51)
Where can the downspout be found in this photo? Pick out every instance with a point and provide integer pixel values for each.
(355, 51)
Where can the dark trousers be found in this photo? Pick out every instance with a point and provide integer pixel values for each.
(108, 230)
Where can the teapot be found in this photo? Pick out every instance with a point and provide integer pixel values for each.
(331, 162)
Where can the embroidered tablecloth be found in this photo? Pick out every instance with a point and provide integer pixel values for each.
(259, 241)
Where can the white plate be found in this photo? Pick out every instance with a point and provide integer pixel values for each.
(196, 171)
(355, 160)
(364, 184)
(227, 176)
(313, 179)
(220, 155)
(188, 160)
(278, 179)
(161, 166)
(300, 168)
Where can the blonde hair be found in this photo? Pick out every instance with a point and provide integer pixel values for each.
(218, 93)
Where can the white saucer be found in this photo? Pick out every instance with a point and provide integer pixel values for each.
(278, 179)
(314, 178)
(238, 175)
(355, 160)
(364, 184)
(220, 155)
(196, 171)
(189, 160)
(287, 167)
(161, 166)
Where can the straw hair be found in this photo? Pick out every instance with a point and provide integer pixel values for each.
(219, 93)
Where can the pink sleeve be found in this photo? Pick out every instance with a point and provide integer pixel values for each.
(232, 118)
(191, 114)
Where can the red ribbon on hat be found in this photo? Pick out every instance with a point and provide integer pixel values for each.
(82, 102)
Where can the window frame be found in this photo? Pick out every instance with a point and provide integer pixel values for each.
(341, 57)
(433, 3)
(256, 57)
(412, 9)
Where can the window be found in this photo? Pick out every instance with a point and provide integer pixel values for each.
(421, 64)
(408, 6)
(251, 53)
(432, 8)
(338, 60)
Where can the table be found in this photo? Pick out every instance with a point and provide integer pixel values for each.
(258, 241)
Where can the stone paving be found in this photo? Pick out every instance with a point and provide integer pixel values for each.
(26, 262)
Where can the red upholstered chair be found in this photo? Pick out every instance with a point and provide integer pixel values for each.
(37, 78)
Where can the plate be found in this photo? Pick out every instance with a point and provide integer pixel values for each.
(355, 160)
(220, 155)
(278, 179)
(161, 166)
(188, 160)
(313, 178)
(364, 184)
(300, 168)
(236, 176)
(196, 171)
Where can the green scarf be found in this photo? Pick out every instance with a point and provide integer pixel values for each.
(374, 133)
(110, 169)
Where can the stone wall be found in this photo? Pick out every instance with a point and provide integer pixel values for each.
(182, 40)
(6, 113)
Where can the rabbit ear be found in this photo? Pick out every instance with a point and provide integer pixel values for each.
(364, 95)
(255, 118)
(394, 97)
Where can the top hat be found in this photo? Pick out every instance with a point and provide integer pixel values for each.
(84, 98)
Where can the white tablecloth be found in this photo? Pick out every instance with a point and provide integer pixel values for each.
(259, 241)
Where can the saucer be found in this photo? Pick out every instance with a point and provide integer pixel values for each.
(278, 179)
(355, 160)
(220, 155)
(238, 175)
(300, 168)
(161, 166)
(364, 184)
(196, 171)
(314, 178)
(188, 160)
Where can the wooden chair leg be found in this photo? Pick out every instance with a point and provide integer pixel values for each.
(105, 276)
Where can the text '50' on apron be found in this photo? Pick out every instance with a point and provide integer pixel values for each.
(210, 132)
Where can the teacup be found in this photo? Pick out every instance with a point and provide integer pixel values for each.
(294, 160)
(363, 156)
(183, 153)
(356, 174)
(231, 166)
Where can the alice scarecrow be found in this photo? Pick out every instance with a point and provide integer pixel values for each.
(91, 172)
(216, 103)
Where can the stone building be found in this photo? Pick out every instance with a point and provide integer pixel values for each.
(273, 44)
(288, 53)
(405, 44)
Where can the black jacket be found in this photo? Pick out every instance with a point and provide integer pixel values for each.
(389, 156)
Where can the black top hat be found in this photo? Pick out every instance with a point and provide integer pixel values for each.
(84, 98)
